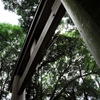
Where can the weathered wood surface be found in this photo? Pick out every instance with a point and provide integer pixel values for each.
(46, 35)
(88, 28)
(15, 88)
(43, 27)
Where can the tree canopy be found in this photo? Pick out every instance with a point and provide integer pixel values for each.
(11, 41)
(24, 8)
(68, 70)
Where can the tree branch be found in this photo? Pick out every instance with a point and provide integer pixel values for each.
(57, 96)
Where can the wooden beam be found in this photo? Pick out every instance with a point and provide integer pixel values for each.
(92, 7)
(15, 95)
(55, 17)
(40, 18)
(35, 31)
(87, 27)
(22, 96)
(15, 88)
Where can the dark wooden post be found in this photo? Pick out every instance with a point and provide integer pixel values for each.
(87, 27)
(15, 88)
(15, 95)
(22, 96)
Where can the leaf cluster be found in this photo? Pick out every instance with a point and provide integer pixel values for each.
(67, 70)
(24, 8)
(12, 39)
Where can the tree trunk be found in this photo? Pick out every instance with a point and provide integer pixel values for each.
(73, 94)
(1, 94)
(85, 96)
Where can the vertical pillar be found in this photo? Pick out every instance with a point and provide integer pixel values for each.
(22, 96)
(15, 88)
(87, 27)
(15, 95)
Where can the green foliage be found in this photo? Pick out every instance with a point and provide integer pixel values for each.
(24, 8)
(12, 39)
(67, 70)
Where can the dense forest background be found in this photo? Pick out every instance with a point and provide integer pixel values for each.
(68, 70)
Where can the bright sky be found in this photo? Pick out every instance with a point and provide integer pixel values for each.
(8, 17)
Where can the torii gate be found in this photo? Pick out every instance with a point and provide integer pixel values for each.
(85, 15)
